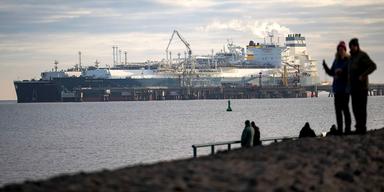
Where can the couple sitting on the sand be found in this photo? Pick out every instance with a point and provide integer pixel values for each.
(306, 131)
(251, 135)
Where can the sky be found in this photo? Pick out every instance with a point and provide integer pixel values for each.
(35, 33)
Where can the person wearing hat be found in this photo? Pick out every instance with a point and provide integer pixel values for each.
(339, 72)
(360, 66)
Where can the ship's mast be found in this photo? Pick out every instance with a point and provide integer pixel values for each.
(80, 60)
(56, 63)
(116, 55)
(270, 35)
(125, 57)
(120, 57)
(178, 58)
(113, 54)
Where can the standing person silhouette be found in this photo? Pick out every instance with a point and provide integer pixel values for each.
(339, 72)
(360, 66)
(256, 136)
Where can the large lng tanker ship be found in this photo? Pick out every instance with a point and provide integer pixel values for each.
(267, 64)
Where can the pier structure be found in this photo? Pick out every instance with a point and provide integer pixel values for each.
(373, 90)
(192, 93)
(182, 93)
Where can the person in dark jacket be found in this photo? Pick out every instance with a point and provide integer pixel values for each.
(306, 131)
(339, 72)
(332, 131)
(247, 135)
(360, 66)
(256, 136)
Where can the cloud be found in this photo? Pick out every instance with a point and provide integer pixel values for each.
(64, 47)
(64, 15)
(317, 3)
(258, 28)
(188, 3)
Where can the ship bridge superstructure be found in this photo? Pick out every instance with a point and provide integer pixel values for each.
(263, 55)
(297, 60)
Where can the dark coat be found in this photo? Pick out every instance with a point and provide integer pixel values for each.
(332, 132)
(306, 131)
(340, 80)
(247, 137)
(360, 65)
(256, 136)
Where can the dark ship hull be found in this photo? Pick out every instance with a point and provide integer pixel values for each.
(83, 89)
(80, 89)
(37, 91)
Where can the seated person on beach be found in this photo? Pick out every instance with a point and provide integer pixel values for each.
(256, 136)
(247, 135)
(306, 131)
(332, 131)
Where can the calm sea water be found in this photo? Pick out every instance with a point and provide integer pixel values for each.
(44, 139)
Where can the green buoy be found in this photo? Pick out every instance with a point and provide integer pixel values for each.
(229, 106)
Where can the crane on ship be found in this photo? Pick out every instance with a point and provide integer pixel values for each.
(187, 45)
(285, 73)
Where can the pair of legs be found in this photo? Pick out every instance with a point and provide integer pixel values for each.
(359, 107)
(342, 108)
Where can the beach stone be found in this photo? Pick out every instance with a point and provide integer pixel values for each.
(345, 176)
(296, 188)
(312, 188)
(281, 156)
(298, 185)
(291, 165)
(357, 172)
(178, 188)
(325, 161)
(279, 189)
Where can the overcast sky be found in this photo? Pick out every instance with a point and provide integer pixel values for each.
(35, 33)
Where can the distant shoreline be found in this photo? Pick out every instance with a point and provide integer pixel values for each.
(321, 164)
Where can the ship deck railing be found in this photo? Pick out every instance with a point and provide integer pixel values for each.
(230, 143)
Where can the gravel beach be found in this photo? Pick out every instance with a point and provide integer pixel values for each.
(346, 163)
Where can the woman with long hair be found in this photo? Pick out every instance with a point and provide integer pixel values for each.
(340, 87)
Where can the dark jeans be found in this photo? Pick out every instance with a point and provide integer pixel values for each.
(359, 107)
(341, 107)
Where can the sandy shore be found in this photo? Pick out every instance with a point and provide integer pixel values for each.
(348, 163)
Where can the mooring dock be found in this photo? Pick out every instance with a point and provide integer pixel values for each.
(182, 93)
(84, 94)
